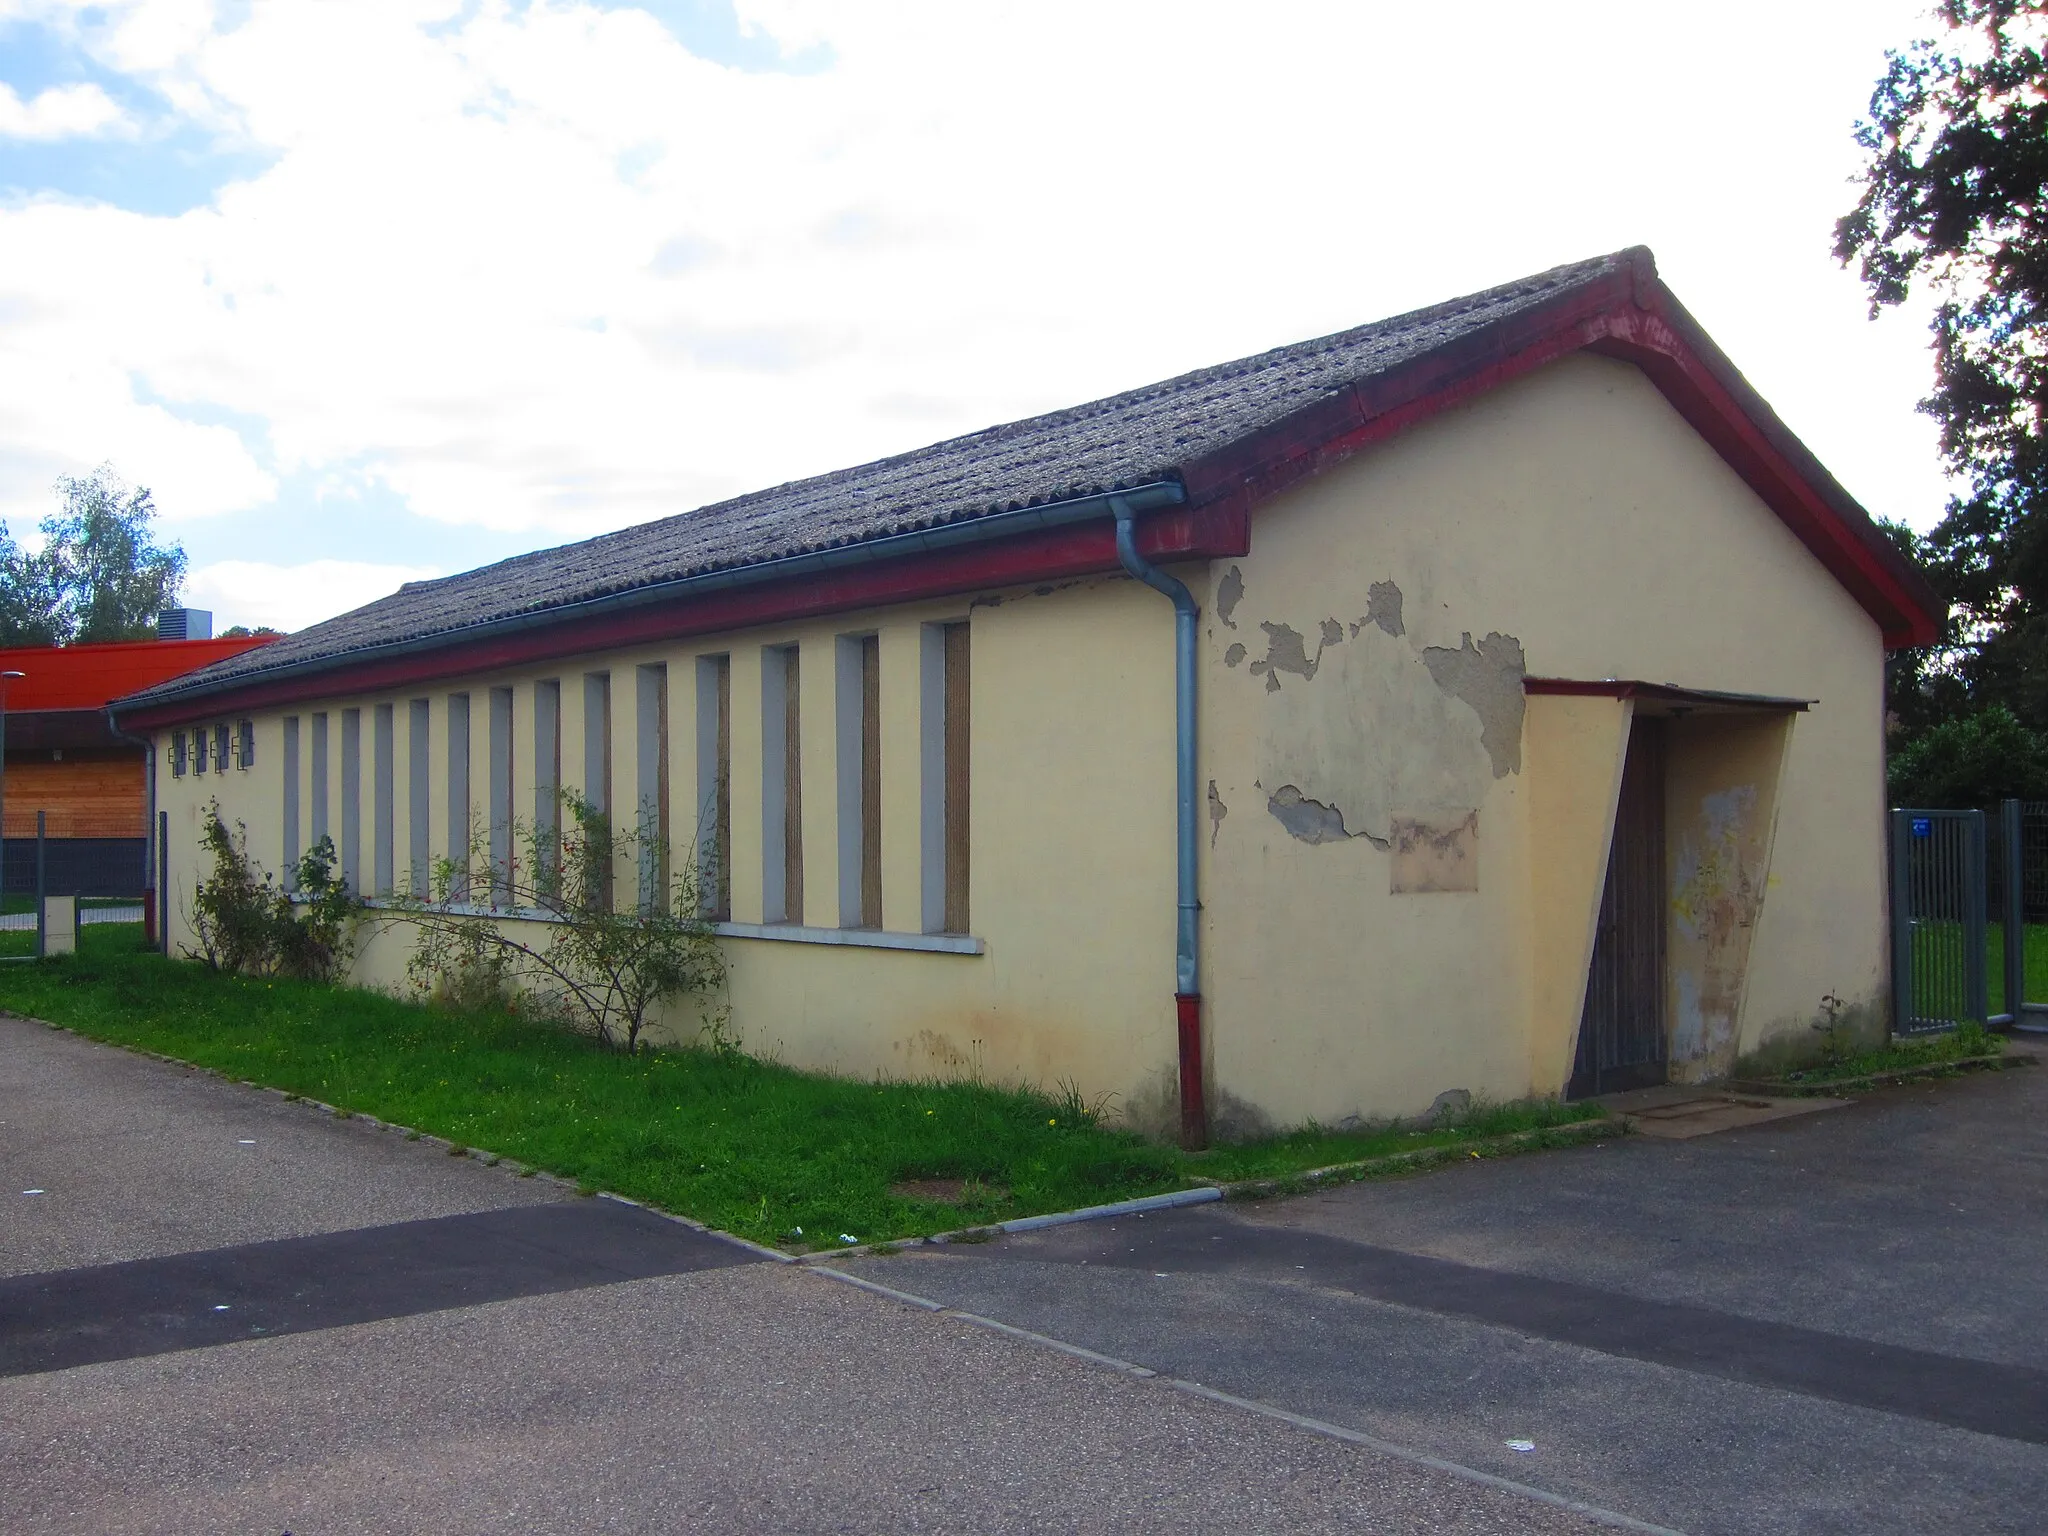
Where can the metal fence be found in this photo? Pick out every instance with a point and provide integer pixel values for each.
(1939, 920)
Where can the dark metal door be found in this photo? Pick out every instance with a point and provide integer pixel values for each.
(1621, 1031)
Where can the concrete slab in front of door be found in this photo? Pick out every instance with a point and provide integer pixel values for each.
(1679, 1112)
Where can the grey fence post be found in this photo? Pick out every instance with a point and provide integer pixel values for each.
(1902, 923)
(2010, 824)
(1974, 924)
(163, 884)
(42, 890)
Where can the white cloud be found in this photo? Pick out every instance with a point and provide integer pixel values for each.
(61, 112)
(539, 268)
(291, 596)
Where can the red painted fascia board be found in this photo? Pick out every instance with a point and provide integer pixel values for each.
(1630, 316)
(1082, 549)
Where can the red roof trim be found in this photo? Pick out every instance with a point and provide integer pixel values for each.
(1630, 315)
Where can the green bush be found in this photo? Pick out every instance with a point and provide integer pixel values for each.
(247, 926)
(1971, 761)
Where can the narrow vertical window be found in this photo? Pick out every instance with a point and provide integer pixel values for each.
(177, 754)
(292, 848)
(597, 773)
(221, 748)
(650, 732)
(419, 790)
(958, 692)
(714, 785)
(547, 780)
(857, 696)
(382, 790)
(944, 690)
(459, 828)
(501, 796)
(245, 745)
(782, 801)
(459, 822)
(352, 798)
(318, 777)
(199, 750)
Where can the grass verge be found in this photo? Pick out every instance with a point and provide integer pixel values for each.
(1964, 1043)
(789, 1158)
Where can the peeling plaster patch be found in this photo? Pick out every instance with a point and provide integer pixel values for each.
(1234, 655)
(1306, 820)
(1715, 897)
(1217, 811)
(1333, 634)
(1382, 607)
(1431, 856)
(1488, 677)
(1286, 651)
(1229, 593)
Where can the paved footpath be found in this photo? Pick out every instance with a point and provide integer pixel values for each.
(1823, 1324)
(224, 1313)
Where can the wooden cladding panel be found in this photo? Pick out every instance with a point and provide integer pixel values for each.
(84, 796)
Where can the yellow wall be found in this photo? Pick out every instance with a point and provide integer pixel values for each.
(1364, 663)
(1071, 888)
(1402, 855)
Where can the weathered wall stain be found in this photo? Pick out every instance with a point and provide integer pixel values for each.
(1217, 811)
(1488, 677)
(1434, 857)
(1306, 820)
(1229, 593)
(1234, 655)
(1287, 651)
(1716, 890)
(1383, 608)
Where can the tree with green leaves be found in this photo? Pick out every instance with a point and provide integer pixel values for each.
(1955, 206)
(100, 574)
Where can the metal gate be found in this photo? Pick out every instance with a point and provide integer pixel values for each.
(1621, 1030)
(1939, 975)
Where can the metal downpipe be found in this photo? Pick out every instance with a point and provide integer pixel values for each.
(1187, 994)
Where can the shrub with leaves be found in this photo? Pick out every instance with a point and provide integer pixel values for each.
(541, 930)
(247, 925)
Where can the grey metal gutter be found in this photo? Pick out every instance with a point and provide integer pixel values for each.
(1187, 989)
(1155, 496)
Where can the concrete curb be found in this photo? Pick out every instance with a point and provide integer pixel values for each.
(1573, 1134)
(1577, 1132)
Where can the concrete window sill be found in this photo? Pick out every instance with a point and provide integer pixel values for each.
(781, 933)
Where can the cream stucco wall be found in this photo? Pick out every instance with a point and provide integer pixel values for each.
(1071, 887)
(1362, 671)
(1402, 856)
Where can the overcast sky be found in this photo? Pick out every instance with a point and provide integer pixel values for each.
(369, 290)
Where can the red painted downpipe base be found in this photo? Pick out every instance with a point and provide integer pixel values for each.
(1194, 1107)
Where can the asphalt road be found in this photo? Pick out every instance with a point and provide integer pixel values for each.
(1822, 1324)
(220, 1312)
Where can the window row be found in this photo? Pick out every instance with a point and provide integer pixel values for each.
(218, 745)
(468, 775)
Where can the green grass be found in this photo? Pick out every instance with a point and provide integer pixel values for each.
(749, 1146)
(14, 904)
(2037, 964)
(1960, 1043)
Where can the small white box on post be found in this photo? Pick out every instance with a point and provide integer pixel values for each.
(60, 925)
